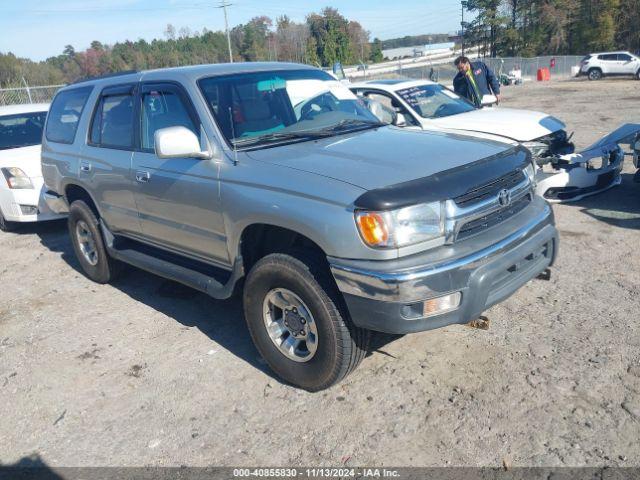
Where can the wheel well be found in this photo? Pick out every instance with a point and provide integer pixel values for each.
(74, 192)
(259, 240)
(595, 68)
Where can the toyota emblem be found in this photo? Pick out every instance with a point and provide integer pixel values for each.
(504, 198)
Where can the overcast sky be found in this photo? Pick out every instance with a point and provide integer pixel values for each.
(38, 29)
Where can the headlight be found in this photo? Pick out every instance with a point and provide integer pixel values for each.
(16, 178)
(530, 172)
(402, 227)
(537, 149)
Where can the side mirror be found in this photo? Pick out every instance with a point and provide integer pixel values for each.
(400, 121)
(176, 142)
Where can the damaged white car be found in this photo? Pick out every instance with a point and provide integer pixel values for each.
(597, 168)
(562, 174)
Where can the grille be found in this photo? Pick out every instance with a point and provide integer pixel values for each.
(492, 219)
(491, 189)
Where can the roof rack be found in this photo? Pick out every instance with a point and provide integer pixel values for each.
(108, 75)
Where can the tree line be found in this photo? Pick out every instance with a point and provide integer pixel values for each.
(324, 38)
(499, 27)
(550, 27)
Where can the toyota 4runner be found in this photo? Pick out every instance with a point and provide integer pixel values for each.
(275, 180)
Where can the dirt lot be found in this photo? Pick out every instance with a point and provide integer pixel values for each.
(146, 372)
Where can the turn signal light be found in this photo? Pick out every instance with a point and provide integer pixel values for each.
(372, 228)
(437, 306)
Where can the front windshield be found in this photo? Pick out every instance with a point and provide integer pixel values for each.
(434, 101)
(21, 130)
(254, 109)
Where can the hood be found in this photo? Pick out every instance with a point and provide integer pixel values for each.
(383, 156)
(26, 158)
(520, 125)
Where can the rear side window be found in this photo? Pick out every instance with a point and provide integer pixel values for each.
(112, 123)
(65, 114)
(609, 57)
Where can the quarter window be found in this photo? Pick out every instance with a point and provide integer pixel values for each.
(163, 108)
(65, 113)
(112, 124)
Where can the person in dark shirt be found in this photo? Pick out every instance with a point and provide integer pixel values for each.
(475, 80)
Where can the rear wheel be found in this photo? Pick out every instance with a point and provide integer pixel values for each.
(298, 323)
(5, 225)
(595, 74)
(88, 244)
(638, 75)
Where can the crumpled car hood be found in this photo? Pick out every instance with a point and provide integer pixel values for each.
(383, 156)
(520, 125)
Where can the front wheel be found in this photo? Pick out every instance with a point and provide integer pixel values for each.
(595, 74)
(298, 324)
(5, 225)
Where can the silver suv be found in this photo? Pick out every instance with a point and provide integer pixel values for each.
(274, 179)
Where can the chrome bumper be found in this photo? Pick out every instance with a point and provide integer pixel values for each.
(417, 283)
(57, 203)
(377, 297)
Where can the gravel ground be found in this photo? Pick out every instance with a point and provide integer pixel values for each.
(147, 372)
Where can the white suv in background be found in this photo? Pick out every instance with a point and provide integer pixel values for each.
(21, 198)
(598, 65)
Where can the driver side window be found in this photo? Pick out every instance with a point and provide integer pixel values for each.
(163, 108)
(391, 104)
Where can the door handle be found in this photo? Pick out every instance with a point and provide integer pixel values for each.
(85, 167)
(142, 177)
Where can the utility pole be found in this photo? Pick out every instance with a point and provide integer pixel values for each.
(464, 4)
(224, 5)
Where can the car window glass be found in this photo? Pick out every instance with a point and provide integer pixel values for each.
(65, 113)
(113, 122)
(163, 109)
(258, 105)
(383, 99)
(608, 57)
(623, 57)
(21, 130)
(434, 101)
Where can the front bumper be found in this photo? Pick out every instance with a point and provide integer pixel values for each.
(27, 205)
(571, 177)
(377, 294)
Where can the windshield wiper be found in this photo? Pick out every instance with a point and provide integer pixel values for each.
(277, 136)
(7, 147)
(352, 122)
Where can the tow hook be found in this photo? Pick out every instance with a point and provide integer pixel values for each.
(481, 323)
(546, 275)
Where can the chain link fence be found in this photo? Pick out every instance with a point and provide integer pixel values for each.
(444, 72)
(13, 96)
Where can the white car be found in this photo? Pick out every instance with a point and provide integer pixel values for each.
(21, 184)
(562, 175)
(598, 65)
(425, 105)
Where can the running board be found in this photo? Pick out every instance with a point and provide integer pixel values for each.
(190, 277)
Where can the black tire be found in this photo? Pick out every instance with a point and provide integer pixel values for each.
(595, 74)
(638, 75)
(106, 268)
(341, 345)
(5, 225)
